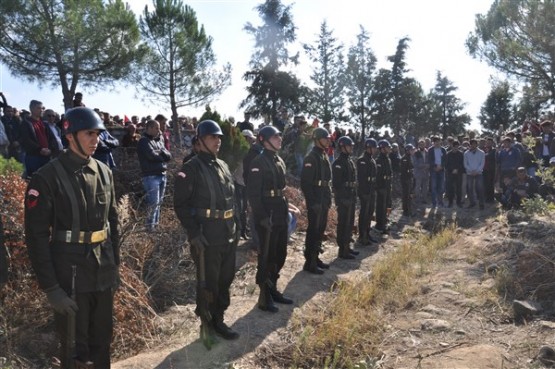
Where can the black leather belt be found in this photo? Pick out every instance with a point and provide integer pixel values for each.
(272, 193)
(215, 214)
(83, 237)
(350, 184)
(321, 183)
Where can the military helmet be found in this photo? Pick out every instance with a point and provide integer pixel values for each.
(370, 142)
(81, 118)
(320, 133)
(345, 141)
(209, 127)
(409, 147)
(266, 132)
(383, 143)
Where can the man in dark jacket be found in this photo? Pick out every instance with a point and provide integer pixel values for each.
(436, 159)
(37, 140)
(153, 157)
(454, 170)
(407, 180)
(71, 231)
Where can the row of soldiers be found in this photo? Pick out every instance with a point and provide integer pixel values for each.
(73, 240)
(368, 178)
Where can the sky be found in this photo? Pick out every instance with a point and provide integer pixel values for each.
(437, 29)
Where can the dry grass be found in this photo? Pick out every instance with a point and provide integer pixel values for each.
(347, 331)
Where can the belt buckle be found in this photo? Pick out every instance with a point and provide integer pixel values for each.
(272, 193)
(228, 214)
(98, 236)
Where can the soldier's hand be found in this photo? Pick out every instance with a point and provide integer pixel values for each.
(61, 302)
(199, 242)
(266, 224)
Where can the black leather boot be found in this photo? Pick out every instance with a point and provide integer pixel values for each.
(265, 301)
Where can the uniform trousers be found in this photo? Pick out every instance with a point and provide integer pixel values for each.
(272, 259)
(345, 220)
(367, 207)
(93, 329)
(317, 222)
(219, 262)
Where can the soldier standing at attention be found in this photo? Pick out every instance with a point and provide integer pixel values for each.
(270, 209)
(407, 180)
(203, 202)
(366, 176)
(71, 230)
(315, 185)
(344, 184)
(383, 186)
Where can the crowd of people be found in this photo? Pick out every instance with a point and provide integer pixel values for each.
(71, 218)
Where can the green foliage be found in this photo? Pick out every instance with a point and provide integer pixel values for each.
(234, 146)
(537, 206)
(8, 166)
(269, 87)
(497, 109)
(327, 98)
(68, 43)
(447, 108)
(178, 67)
(516, 37)
(361, 64)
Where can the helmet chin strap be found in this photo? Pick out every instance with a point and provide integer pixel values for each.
(206, 147)
(271, 145)
(79, 147)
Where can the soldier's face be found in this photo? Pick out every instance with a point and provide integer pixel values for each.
(211, 143)
(86, 139)
(275, 142)
(324, 142)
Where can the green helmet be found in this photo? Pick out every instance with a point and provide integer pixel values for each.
(320, 133)
(209, 127)
(267, 132)
(81, 118)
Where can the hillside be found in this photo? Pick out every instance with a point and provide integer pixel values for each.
(461, 317)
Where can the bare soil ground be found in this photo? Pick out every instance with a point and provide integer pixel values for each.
(458, 320)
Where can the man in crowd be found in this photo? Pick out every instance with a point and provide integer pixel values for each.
(246, 124)
(71, 230)
(37, 140)
(153, 158)
(315, 185)
(474, 161)
(12, 125)
(489, 171)
(203, 202)
(421, 172)
(406, 177)
(366, 176)
(508, 159)
(454, 170)
(344, 183)
(270, 210)
(436, 159)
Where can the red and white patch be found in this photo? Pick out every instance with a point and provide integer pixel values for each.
(33, 192)
(255, 170)
(181, 174)
(308, 165)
